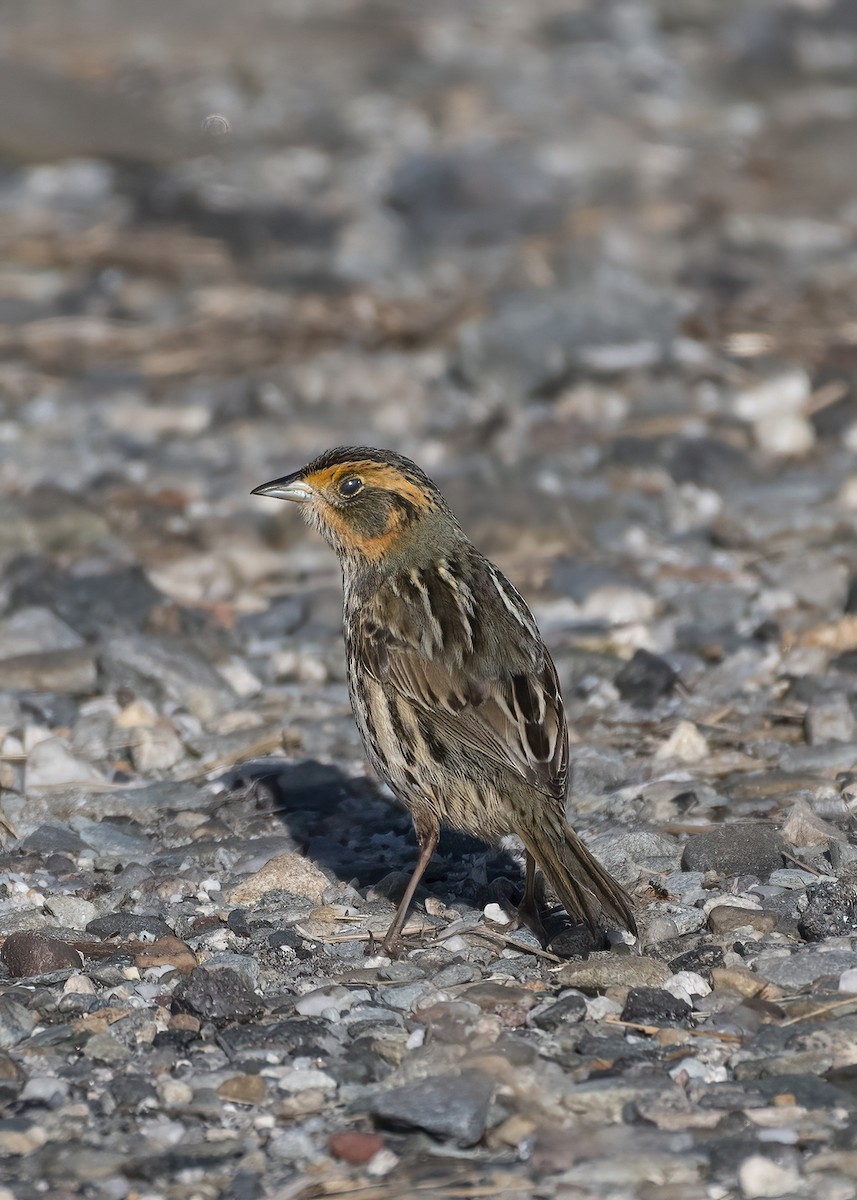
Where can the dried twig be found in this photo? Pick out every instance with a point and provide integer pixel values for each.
(818, 1012)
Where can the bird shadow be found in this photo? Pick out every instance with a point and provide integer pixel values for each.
(358, 836)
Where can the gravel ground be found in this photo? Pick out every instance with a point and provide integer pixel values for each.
(593, 265)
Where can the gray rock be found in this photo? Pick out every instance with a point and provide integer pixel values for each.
(106, 1048)
(222, 994)
(53, 839)
(453, 1107)
(741, 849)
(832, 756)
(830, 719)
(593, 771)
(568, 1010)
(629, 855)
(112, 840)
(535, 342)
(168, 671)
(804, 966)
(90, 604)
(601, 971)
(47, 1091)
(476, 195)
(35, 631)
(72, 911)
(16, 1022)
(245, 964)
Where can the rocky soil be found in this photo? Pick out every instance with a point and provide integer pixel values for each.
(592, 264)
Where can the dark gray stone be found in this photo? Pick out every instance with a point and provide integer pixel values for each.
(454, 1107)
(568, 1010)
(708, 462)
(645, 680)
(126, 925)
(90, 604)
(831, 912)
(223, 994)
(735, 850)
(53, 839)
(654, 1006)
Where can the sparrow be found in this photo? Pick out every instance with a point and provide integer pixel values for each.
(455, 695)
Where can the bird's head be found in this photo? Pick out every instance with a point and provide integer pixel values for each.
(370, 505)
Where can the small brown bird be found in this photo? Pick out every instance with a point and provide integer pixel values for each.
(456, 698)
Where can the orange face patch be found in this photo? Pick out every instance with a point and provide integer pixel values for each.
(374, 475)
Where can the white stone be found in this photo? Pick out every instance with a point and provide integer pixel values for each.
(240, 678)
(760, 1177)
(847, 496)
(78, 985)
(381, 1164)
(599, 1007)
(685, 743)
(136, 715)
(317, 1002)
(688, 981)
(308, 1080)
(50, 763)
(699, 1072)
(782, 395)
(784, 435)
(156, 747)
(619, 605)
(175, 1092)
(496, 914)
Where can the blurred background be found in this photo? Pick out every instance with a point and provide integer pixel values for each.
(591, 263)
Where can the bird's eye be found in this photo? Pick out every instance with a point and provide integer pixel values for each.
(350, 486)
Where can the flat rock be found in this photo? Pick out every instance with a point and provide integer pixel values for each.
(286, 872)
(804, 966)
(726, 918)
(33, 953)
(73, 672)
(453, 1107)
(602, 971)
(751, 849)
(128, 925)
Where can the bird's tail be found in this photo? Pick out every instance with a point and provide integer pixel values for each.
(586, 890)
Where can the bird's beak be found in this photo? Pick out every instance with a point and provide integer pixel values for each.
(290, 487)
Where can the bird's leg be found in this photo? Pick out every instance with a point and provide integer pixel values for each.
(428, 845)
(528, 910)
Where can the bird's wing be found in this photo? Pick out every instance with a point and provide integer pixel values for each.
(513, 716)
